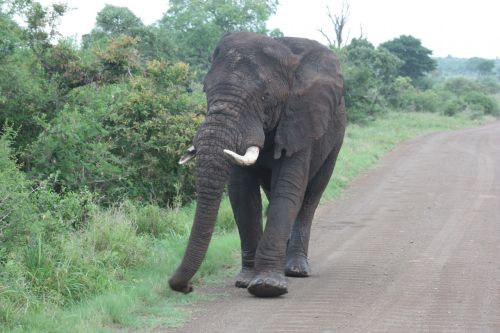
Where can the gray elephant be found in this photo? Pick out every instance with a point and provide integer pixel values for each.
(276, 120)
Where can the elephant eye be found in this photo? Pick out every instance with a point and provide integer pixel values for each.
(266, 97)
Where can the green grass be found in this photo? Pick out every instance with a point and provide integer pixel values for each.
(143, 299)
(115, 273)
(112, 275)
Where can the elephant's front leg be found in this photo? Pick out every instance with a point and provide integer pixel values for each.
(297, 264)
(288, 184)
(244, 195)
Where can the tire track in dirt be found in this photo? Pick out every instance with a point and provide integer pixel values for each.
(414, 246)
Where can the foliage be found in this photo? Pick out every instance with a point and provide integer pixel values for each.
(470, 68)
(118, 59)
(369, 73)
(481, 102)
(113, 22)
(116, 21)
(122, 255)
(197, 25)
(416, 58)
(460, 85)
(33, 220)
(448, 97)
(14, 195)
(34, 70)
(26, 97)
(11, 35)
(123, 140)
(374, 83)
(41, 25)
(482, 66)
(75, 146)
(91, 195)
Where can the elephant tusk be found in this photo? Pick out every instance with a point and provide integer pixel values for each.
(190, 154)
(249, 158)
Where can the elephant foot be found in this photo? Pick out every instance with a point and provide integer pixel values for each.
(268, 284)
(244, 277)
(297, 267)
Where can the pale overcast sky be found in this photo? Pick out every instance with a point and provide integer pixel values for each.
(462, 28)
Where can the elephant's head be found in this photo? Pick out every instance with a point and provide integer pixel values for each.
(255, 85)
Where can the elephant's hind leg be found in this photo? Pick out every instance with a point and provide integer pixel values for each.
(297, 264)
(244, 195)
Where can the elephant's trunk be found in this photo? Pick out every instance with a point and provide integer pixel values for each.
(212, 174)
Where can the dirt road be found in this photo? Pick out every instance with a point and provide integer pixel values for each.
(414, 246)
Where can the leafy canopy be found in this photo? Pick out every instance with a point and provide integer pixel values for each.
(369, 73)
(481, 66)
(197, 25)
(416, 59)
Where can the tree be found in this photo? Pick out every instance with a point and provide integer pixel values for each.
(369, 74)
(27, 94)
(339, 22)
(197, 25)
(416, 58)
(11, 34)
(481, 66)
(114, 22)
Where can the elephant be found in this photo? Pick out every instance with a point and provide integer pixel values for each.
(275, 120)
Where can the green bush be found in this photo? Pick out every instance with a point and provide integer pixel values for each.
(489, 86)
(461, 86)
(454, 106)
(27, 98)
(368, 73)
(150, 131)
(425, 101)
(15, 201)
(477, 101)
(76, 148)
(406, 97)
(448, 97)
(400, 91)
(123, 140)
(35, 224)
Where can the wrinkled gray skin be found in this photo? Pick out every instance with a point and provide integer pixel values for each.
(285, 96)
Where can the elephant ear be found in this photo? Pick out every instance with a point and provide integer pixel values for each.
(314, 101)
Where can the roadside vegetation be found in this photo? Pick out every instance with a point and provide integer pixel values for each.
(94, 209)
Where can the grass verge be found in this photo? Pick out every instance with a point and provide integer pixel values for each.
(119, 263)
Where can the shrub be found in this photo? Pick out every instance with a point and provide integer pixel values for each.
(368, 73)
(454, 106)
(460, 86)
(123, 140)
(489, 86)
(151, 129)
(76, 148)
(35, 224)
(481, 102)
(15, 204)
(425, 101)
(27, 98)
